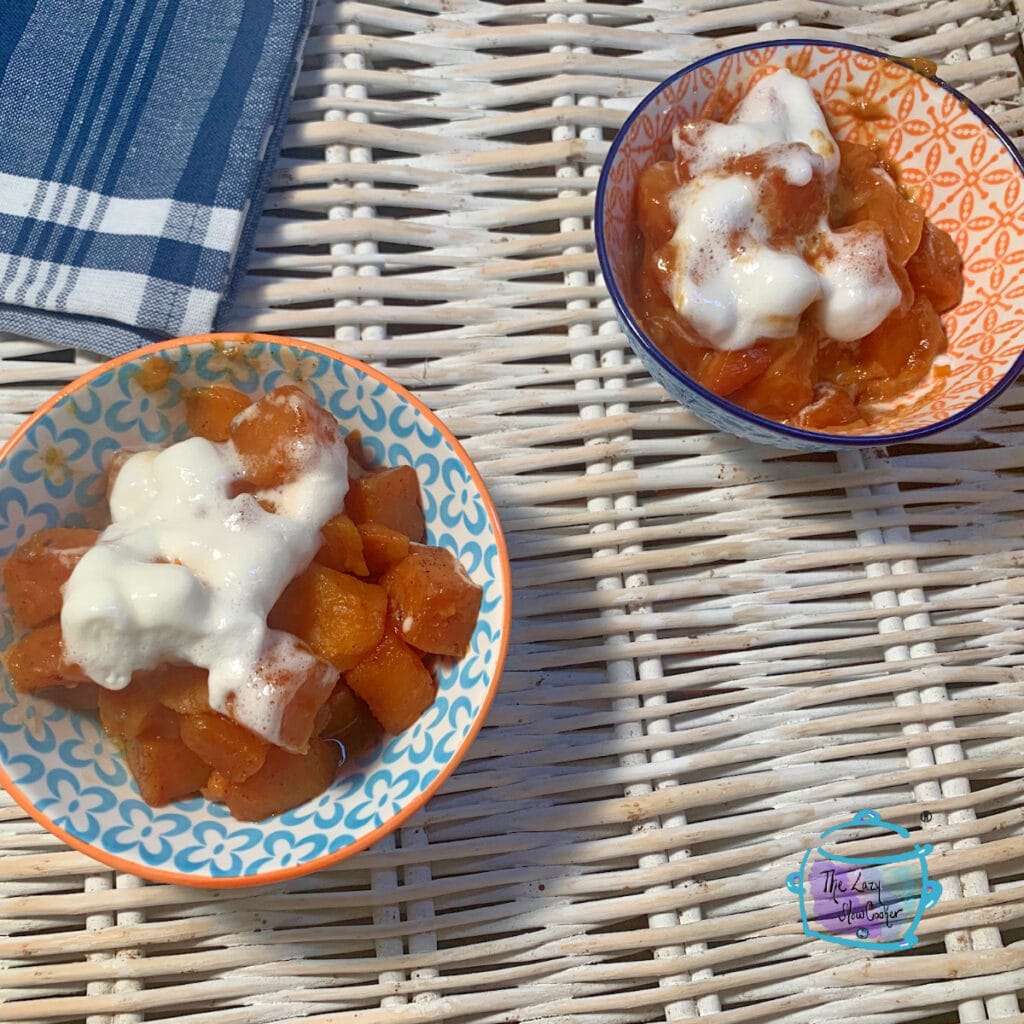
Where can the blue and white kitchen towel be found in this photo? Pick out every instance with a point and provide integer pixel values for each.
(137, 140)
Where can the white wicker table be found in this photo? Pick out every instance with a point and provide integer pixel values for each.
(718, 650)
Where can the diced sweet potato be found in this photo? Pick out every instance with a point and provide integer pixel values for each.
(904, 346)
(390, 497)
(210, 410)
(164, 768)
(787, 383)
(293, 685)
(153, 699)
(36, 661)
(937, 269)
(394, 682)
(126, 714)
(342, 710)
(342, 547)
(216, 787)
(276, 436)
(349, 720)
(382, 547)
(432, 602)
(866, 191)
(285, 781)
(224, 745)
(340, 617)
(35, 572)
(182, 688)
(832, 405)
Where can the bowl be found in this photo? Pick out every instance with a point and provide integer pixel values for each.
(60, 766)
(961, 168)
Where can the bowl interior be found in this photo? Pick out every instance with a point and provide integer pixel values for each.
(61, 766)
(950, 157)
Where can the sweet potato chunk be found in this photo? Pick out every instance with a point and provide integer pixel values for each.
(35, 572)
(151, 699)
(293, 684)
(224, 745)
(432, 601)
(342, 548)
(382, 546)
(285, 781)
(216, 787)
(182, 688)
(394, 682)
(340, 617)
(36, 661)
(936, 269)
(390, 497)
(342, 710)
(349, 720)
(126, 714)
(164, 768)
(278, 435)
(210, 410)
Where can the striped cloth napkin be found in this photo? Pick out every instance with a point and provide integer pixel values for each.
(138, 139)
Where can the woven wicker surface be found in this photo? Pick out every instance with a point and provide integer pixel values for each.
(718, 651)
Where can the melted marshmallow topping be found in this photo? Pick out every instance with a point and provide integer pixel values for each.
(731, 280)
(188, 571)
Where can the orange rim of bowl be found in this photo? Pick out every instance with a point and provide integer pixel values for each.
(297, 871)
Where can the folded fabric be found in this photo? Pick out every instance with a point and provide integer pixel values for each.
(138, 141)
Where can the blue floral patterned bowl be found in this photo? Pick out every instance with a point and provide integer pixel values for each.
(59, 765)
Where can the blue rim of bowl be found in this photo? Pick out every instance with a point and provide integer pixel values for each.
(623, 310)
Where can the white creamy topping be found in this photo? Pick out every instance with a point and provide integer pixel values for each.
(734, 298)
(858, 289)
(780, 109)
(728, 281)
(186, 573)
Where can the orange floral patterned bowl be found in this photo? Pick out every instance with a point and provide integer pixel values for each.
(956, 163)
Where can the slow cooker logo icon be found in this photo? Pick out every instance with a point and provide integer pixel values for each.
(864, 902)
